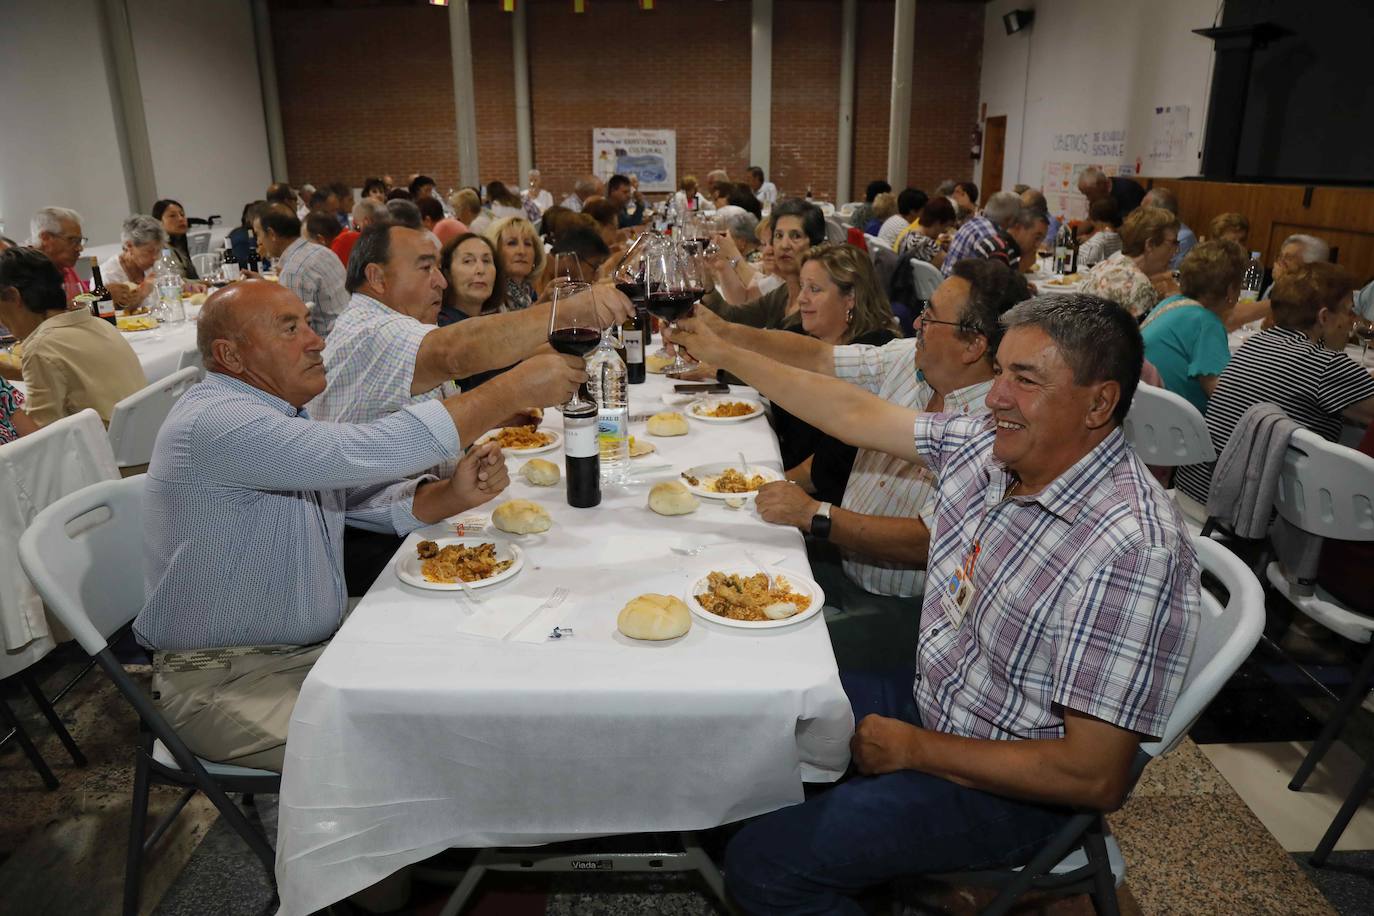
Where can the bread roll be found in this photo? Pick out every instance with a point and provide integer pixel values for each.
(520, 516)
(539, 472)
(667, 424)
(672, 498)
(654, 617)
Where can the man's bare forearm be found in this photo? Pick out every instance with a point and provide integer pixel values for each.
(890, 539)
(496, 341)
(483, 408)
(801, 351)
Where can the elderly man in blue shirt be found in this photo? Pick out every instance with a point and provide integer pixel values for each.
(245, 504)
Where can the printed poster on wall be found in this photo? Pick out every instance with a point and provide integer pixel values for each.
(649, 154)
(1103, 148)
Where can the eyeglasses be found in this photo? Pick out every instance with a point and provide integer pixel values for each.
(918, 325)
(74, 239)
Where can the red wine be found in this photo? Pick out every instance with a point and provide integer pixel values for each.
(672, 306)
(582, 457)
(574, 341)
(633, 291)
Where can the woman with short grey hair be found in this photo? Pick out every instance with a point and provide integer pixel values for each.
(128, 275)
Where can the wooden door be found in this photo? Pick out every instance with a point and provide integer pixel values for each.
(994, 150)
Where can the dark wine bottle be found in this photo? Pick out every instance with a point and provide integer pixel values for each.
(103, 305)
(582, 451)
(633, 333)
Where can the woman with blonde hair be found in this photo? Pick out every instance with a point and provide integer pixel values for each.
(1149, 238)
(688, 198)
(840, 303)
(520, 255)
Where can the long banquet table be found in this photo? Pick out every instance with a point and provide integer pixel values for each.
(410, 737)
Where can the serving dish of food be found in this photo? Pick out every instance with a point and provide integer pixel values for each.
(447, 564)
(749, 598)
(724, 409)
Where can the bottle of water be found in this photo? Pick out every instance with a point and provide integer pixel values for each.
(1253, 280)
(1063, 247)
(168, 279)
(609, 387)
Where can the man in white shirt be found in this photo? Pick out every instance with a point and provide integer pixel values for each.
(536, 194)
(585, 189)
(869, 554)
(765, 191)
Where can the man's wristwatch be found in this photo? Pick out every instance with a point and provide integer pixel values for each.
(820, 522)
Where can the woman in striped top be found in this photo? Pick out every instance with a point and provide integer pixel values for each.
(1299, 364)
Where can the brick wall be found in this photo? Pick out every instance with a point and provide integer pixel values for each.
(368, 89)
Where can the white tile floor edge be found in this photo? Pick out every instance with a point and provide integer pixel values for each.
(1260, 771)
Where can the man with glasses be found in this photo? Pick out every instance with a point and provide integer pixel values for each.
(869, 552)
(56, 231)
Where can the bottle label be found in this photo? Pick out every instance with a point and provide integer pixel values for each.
(579, 439)
(634, 346)
(1249, 295)
(105, 308)
(611, 430)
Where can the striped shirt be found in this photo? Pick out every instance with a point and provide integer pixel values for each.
(244, 508)
(1100, 247)
(370, 363)
(1313, 385)
(1085, 595)
(965, 244)
(880, 484)
(314, 273)
(891, 228)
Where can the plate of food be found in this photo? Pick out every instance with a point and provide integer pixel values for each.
(747, 598)
(478, 562)
(724, 409)
(727, 480)
(1066, 280)
(524, 440)
(132, 323)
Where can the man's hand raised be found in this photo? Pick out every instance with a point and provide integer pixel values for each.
(697, 336)
(548, 379)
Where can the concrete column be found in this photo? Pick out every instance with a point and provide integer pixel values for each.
(464, 91)
(520, 60)
(126, 99)
(271, 100)
(844, 154)
(761, 85)
(899, 114)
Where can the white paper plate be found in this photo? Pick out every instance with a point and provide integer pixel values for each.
(703, 471)
(710, 403)
(799, 583)
(518, 452)
(408, 567)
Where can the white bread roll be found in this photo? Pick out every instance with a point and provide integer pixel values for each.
(654, 617)
(539, 472)
(668, 424)
(672, 498)
(520, 516)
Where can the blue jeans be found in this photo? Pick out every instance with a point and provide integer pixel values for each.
(868, 830)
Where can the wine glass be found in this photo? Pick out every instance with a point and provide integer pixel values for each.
(1364, 329)
(669, 293)
(567, 268)
(571, 331)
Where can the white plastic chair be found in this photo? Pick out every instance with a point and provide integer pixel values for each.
(84, 554)
(206, 263)
(1166, 430)
(835, 232)
(1082, 856)
(198, 243)
(925, 278)
(190, 359)
(1327, 491)
(134, 422)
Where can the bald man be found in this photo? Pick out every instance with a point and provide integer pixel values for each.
(245, 504)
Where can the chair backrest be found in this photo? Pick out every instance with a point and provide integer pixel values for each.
(1166, 430)
(1227, 633)
(835, 232)
(190, 359)
(198, 242)
(134, 422)
(1326, 489)
(884, 261)
(926, 277)
(206, 262)
(84, 554)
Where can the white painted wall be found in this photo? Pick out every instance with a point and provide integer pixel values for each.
(1101, 66)
(198, 75)
(198, 72)
(57, 134)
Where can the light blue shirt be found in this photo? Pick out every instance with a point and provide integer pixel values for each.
(1185, 343)
(1364, 302)
(244, 508)
(1186, 240)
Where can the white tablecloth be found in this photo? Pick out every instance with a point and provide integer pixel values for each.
(410, 738)
(1045, 287)
(159, 350)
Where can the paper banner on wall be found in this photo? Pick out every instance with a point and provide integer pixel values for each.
(1168, 133)
(1059, 181)
(651, 155)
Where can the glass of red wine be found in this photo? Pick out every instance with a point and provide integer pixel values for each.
(669, 291)
(571, 331)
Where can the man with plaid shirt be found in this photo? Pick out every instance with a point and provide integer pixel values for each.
(997, 215)
(1058, 620)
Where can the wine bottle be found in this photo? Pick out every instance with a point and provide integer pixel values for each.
(633, 332)
(103, 304)
(582, 451)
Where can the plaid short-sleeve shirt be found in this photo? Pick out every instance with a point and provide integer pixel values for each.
(1086, 594)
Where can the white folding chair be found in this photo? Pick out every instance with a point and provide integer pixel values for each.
(835, 232)
(198, 242)
(1166, 430)
(925, 277)
(190, 359)
(1327, 491)
(207, 262)
(134, 422)
(1083, 856)
(884, 262)
(84, 554)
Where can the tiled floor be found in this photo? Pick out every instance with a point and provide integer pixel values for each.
(1194, 833)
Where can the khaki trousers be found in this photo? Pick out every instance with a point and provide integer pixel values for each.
(233, 705)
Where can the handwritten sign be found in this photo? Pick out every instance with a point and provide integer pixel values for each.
(1097, 144)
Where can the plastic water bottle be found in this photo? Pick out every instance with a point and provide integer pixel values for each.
(1253, 279)
(169, 281)
(609, 387)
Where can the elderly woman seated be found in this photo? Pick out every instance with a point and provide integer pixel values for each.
(128, 274)
(520, 256)
(1149, 238)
